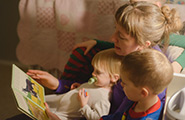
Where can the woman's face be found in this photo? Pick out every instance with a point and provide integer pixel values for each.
(124, 43)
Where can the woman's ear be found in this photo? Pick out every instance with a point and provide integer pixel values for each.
(147, 43)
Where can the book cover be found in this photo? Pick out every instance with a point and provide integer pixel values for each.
(29, 94)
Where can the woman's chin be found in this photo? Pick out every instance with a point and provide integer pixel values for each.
(118, 52)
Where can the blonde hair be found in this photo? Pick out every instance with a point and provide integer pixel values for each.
(147, 22)
(162, 2)
(148, 67)
(108, 60)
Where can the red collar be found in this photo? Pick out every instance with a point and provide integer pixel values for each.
(152, 109)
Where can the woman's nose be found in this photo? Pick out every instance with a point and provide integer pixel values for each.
(113, 38)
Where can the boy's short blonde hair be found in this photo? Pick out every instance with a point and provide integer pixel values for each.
(148, 68)
(107, 60)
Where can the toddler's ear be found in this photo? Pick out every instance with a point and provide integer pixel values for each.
(115, 77)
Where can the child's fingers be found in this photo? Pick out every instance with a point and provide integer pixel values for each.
(80, 92)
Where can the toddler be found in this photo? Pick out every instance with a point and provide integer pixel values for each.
(94, 99)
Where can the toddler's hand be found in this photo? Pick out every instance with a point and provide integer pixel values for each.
(83, 97)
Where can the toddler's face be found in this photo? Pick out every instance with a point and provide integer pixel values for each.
(103, 78)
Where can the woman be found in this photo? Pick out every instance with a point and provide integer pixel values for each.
(138, 25)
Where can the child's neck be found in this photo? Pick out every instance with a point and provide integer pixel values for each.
(109, 88)
(144, 104)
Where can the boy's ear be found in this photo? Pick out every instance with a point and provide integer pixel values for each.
(144, 92)
(115, 77)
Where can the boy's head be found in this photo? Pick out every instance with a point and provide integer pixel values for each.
(108, 61)
(147, 69)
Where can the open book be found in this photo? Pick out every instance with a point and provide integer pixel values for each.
(29, 94)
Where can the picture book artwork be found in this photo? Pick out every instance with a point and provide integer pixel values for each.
(29, 94)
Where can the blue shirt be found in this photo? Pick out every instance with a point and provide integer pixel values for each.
(153, 113)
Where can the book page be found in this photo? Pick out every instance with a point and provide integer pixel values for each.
(29, 94)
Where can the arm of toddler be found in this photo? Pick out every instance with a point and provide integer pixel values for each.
(96, 111)
(83, 97)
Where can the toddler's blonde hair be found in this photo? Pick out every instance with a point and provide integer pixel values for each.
(108, 60)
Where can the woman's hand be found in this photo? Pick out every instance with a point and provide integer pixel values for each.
(83, 97)
(51, 115)
(44, 78)
(88, 45)
(75, 85)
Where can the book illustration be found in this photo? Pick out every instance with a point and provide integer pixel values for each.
(36, 111)
(29, 94)
(29, 88)
(32, 91)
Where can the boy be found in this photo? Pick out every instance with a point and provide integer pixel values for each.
(144, 84)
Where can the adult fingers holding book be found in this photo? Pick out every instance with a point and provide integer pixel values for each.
(44, 78)
(51, 115)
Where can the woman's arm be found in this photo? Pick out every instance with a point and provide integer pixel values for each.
(79, 68)
(104, 44)
(179, 63)
(88, 45)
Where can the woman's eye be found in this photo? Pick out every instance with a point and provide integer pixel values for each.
(120, 37)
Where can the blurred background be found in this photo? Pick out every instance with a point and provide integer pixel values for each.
(9, 17)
